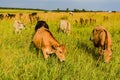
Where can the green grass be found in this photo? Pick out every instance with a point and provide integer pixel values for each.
(18, 62)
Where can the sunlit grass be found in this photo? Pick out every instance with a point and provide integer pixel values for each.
(18, 62)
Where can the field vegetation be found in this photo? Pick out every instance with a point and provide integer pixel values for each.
(19, 62)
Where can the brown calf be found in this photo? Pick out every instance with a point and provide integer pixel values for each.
(44, 40)
(102, 40)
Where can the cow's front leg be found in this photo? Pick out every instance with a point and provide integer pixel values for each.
(45, 53)
(100, 52)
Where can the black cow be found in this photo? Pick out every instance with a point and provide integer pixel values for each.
(10, 16)
(41, 24)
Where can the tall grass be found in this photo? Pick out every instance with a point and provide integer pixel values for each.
(18, 62)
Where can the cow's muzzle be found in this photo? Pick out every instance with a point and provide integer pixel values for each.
(62, 60)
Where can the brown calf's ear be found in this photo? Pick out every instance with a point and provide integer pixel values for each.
(62, 45)
(54, 47)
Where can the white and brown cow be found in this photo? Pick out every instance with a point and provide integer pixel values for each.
(18, 25)
(65, 26)
(102, 40)
(44, 40)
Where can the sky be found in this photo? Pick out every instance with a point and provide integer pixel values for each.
(107, 5)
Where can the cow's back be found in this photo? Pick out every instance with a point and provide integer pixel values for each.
(99, 36)
(109, 41)
(43, 38)
(65, 26)
(37, 39)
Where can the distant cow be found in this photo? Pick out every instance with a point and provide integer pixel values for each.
(105, 18)
(102, 40)
(33, 17)
(81, 21)
(71, 13)
(64, 26)
(20, 15)
(41, 24)
(44, 40)
(18, 25)
(1, 16)
(10, 16)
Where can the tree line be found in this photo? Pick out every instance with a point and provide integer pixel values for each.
(57, 10)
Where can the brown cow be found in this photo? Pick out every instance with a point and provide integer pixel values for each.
(39, 24)
(44, 40)
(1, 16)
(33, 17)
(102, 40)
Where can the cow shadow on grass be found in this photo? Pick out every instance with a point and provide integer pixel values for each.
(88, 48)
(33, 49)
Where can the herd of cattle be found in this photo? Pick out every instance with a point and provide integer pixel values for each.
(45, 41)
(32, 16)
(7, 16)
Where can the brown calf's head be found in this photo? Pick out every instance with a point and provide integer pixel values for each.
(60, 52)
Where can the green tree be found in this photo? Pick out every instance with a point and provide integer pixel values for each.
(67, 10)
(83, 10)
(58, 10)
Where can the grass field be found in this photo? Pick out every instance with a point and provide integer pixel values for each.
(18, 62)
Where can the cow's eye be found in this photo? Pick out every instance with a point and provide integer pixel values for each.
(60, 52)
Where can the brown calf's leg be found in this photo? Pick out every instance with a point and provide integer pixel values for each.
(101, 53)
(45, 54)
(107, 56)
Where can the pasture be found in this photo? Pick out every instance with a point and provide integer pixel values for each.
(18, 61)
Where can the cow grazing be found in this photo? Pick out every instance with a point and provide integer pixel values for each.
(20, 15)
(92, 21)
(38, 26)
(64, 26)
(102, 40)
(105, 18)
(1, 16)
(18, 25)
(71, 13)
(44, 40)
(41, 24)
(10, 16)
(81, 21)
(33, 17)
